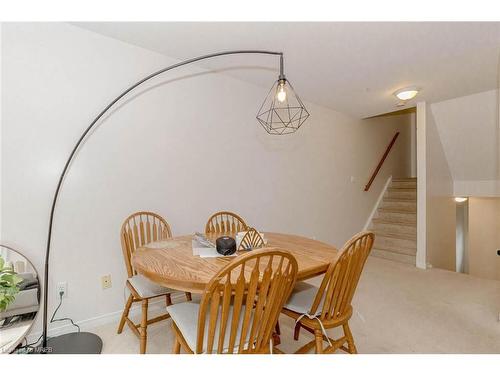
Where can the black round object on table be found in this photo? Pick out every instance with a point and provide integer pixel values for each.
(225, 245)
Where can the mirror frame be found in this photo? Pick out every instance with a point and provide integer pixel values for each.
(12, 347)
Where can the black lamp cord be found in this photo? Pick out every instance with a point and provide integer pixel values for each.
(52, 320)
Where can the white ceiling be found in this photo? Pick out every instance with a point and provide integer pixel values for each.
(350, 67)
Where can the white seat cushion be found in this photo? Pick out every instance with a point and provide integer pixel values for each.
(146, 288)
(185, 316)
(302, 298)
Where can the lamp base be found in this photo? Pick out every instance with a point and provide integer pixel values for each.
(74, 343)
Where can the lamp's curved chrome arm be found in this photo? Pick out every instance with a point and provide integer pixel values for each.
(85, 133)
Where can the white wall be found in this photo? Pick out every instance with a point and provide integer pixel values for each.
(468, 128)
(440, 205)
(461, 153)
(413, 145)
(462, 237)
(165, 149)
(484, 237)
(421, 150)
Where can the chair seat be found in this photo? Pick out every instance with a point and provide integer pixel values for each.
(185, 317)
(146, 288)
(302, 298)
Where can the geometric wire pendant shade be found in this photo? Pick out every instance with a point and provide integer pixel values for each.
(282, 112)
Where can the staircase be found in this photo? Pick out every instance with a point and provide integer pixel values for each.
(395, 224)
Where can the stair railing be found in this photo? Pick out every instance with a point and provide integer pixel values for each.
(388, 149)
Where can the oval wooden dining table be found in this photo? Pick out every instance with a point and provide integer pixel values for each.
(171, 262)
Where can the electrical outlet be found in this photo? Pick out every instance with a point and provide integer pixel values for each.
(62, 287)
(106, 281)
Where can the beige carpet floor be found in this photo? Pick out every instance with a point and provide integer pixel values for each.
(398, 309)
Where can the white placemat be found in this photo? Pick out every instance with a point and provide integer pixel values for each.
(206, 252)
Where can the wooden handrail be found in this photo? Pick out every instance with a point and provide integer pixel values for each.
(367, 187)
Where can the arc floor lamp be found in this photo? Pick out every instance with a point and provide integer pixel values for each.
(282, 112)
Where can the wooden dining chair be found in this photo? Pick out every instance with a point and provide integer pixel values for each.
(329, 306)
(225, 222)
(239, 307)
(251, 240)
(138, 230)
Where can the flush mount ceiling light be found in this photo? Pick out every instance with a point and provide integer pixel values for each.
(406, 93)
(460, 199)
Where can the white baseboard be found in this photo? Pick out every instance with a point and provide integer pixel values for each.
(89, 324)
(377, 203)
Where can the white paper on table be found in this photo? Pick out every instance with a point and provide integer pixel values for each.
(205, 252)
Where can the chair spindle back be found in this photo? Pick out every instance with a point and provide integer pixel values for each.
(247, 296)
(341, 279)
(224, 222)
(140, 229)
(251, 240)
